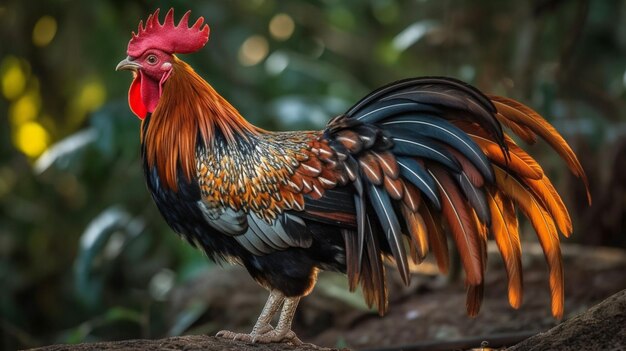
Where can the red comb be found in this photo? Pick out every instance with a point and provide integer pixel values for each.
(168, 37)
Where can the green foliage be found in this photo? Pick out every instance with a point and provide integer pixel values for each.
(84, 255)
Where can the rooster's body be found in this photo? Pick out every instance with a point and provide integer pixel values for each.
(405, 163)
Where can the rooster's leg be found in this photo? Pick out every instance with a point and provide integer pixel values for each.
(283, 332)
(262, 326)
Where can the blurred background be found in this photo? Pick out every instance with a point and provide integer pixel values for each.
(84, 255)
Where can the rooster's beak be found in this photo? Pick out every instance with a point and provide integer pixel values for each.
(127, 64)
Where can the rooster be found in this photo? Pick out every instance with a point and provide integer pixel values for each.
(388, 179)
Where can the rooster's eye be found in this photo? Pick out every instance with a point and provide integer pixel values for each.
(152, 59)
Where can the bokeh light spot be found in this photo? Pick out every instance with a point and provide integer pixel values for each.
(24, 109)
(386, 11)
(281, 26)
(276, 63)
(13, 78)
(342, 18)
(44, 31)
(91, 96)
(253, 50)
(31, 138)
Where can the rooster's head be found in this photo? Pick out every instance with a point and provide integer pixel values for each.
(151, 55)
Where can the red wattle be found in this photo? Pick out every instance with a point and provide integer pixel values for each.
(135, 100)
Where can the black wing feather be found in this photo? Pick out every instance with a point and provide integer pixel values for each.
(391, 227)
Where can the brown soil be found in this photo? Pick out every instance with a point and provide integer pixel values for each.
(186, 343)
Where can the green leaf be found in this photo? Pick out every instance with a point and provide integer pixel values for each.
(117, 314)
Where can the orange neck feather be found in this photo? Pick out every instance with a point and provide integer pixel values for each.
(188, 107)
